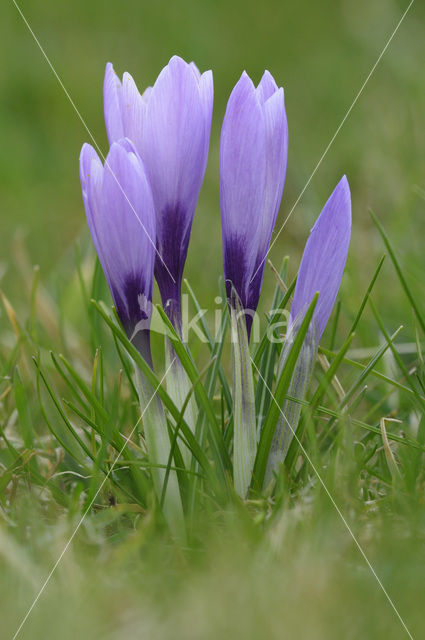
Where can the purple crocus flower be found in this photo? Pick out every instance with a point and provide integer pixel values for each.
(170, 125)
(253, 155)
(121, 218)
(324, 258)
(321, 269)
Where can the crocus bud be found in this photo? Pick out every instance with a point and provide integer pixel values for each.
(170, 126)
(321, 269)
(253, 155)
(121, 218)
(324, 258)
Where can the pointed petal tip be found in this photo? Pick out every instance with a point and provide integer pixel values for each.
(267, 86)
(116, 150)
(120, 146)
(127, 77)
(337, 207)
(110, 72)
(267, 77)
(267, 74)
(87, 154)
(277, 99)
(207, 75)
(124, 152)
(195, 69)
(344, 182)
(85, 148)
(244, 84)
(176, 58)
(177, 62)
(324, 256)
(342, 190)
(127, 145)
(178, 70)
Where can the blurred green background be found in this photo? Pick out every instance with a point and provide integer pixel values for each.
(321, 52)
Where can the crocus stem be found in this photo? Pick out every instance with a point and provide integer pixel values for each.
(178, 388)
(158, 446)
(288, 421)
(245, 428)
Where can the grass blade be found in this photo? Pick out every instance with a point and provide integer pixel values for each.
(280, 393)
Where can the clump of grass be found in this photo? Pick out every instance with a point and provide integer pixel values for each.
(72, 454)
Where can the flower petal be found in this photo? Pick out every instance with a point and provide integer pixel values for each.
(276, 160)
(121, 218)
(128, 221)
(195, 69)
(112, 105)
(175, 140)
(133, 107)
(91, 176)
(266, 87)
(324, 258)
(206, 89)
(173, 143)
(242, 183)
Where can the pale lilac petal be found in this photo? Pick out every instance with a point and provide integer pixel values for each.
(127, 224)
(277, 154)
(242, 183)
(255, 143)
(132, 111)
(121, 217)
(112, 105)
(170, 126)
(174, 147)
(242, 160)
(86, 156)
(206, 89)
(266, 87)
(124, 108)
(195, 70)
(276, 129)
(173, 137)
(146, 94)
(324, 258)
(91, 176)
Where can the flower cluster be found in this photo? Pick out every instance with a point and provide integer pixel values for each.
(140, 205)
(166, 132)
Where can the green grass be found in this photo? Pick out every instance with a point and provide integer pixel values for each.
(280, 560)
(280, 564)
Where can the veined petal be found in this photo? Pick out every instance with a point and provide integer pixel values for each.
(124, 107)
(173, 137)
(266, 87)
(129, 212)
(146, 94)
(276, 159)
(112, 105)
(170, 126)
(133, 107)
(195, 69)
(175, 140)
(121, 218)
(91, 176)
(276, 132)
(324, 258)
(242, 183)
(206, 89)
(253, 155)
